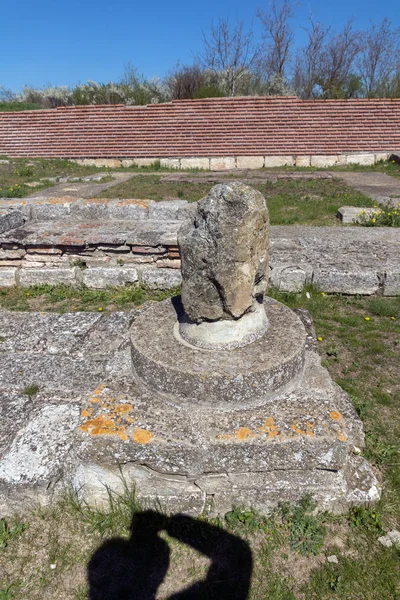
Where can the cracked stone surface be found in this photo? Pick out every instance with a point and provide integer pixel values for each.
(224, 253)
(91, 420)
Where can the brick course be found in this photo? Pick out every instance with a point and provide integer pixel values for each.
(214, 127)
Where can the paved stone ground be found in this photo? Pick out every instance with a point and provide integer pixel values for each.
(91, 414)
(380, 187)
(77, 189)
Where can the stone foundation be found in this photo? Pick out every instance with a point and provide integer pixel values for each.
(102, 243)
(92, 425)
(221, 163)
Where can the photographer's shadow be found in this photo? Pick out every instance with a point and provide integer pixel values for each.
(134, 569)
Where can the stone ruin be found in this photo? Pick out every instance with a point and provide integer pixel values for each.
(228, 404)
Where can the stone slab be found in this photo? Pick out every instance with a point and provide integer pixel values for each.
(378, 186)
(10, 219)
(249, 162)
(52, 276)
(217, 378)
(223, 163)
(160, 278)
(279, 161)
(195, 163)
(103, 277)
(351, 214)
(90, 419)
(8, 277)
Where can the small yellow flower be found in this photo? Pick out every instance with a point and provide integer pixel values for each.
(320, 339)
(322, 293)
(393, 318)
(100, 308)
(367, 318)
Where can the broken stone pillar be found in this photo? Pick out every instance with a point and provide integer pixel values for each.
(224, 251)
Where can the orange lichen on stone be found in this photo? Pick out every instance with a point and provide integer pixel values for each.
(129, 201)
(101, 425)
(269, 428)
(57, 200)
(341, 436)
(225, 436)
(123, 409)
(297, 429)
(243, 433)
(87, 412)
(335, 416)
(309, 429)
(89, 226)
(142, 436)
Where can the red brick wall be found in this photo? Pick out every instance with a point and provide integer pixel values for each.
(249, 126)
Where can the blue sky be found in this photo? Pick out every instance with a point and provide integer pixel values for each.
(64, 43)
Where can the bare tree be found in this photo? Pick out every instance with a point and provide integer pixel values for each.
(278, 35)
(379, 57)
(338, 60)
(308, 64)
(184, 82)
(229, 52)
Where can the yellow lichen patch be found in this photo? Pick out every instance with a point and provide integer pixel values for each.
(55, 201)
(341, 436)
(269, 428)
(309, 429)
(87, 412)
(225, 436)
(121, 431)
(335, 416)
(134, 202)
(123, 409)
(243, 433)
(101, 425)
(142, 436)
(297, 429)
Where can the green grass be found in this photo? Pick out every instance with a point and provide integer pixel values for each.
(20, 171)
(360, 346)
(63, 298)
(304, 202)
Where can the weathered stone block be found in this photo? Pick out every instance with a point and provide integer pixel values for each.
(156, 278)
(381, 156)
(249, 162)
(323, 161)
(303, 160)
(346, 281)
(143, 162)
(392, 282)
(224, 252)
(27, 277)
(8, 277)
(128, 209)
(279, 161)
(361, 159)
(170, 163)
(10, 219)
(103, 277)
(351, 214)
(167, 210)
(223, 163)
(48, 209)
(290, 278)
(90, 209)
(195, 163)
